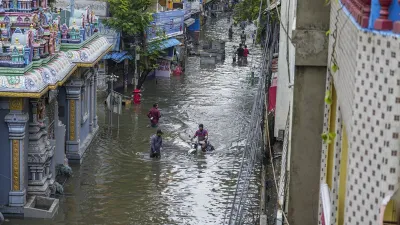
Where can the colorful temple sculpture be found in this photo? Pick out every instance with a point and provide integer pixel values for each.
(48, 76)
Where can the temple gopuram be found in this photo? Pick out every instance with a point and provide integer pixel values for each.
(48, 77)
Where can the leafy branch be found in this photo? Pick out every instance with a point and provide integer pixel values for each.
(328, 137)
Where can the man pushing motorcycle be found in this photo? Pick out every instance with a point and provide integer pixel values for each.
(202, 137)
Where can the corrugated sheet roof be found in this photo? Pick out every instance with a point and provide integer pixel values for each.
(164, 44)
(118, 56)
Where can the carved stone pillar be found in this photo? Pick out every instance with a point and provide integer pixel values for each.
(83, 109)
(16, 121)
(40, 154)
(73, 89)
(95, 74)
(91, 97)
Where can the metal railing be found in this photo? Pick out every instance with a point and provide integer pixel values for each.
(239, 211)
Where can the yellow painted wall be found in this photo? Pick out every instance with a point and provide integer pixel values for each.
(342, 178)
(390, 212)
(331, 146)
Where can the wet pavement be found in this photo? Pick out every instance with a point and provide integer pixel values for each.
(119, 184)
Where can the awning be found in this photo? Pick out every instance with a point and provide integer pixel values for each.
(163, 44)
(118, 56)
(189, 21)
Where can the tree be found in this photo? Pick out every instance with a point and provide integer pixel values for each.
(132, 18)
(246, 9)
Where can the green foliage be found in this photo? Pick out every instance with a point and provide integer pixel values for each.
(59, 188)
(129, 16)
(246, 9)
(334, 68)
(328, 32)
(328, 137)
(328, 97)
(63, 170)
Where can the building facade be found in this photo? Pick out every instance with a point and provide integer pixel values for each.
(339, 82)
(360, 161)
(47, 96)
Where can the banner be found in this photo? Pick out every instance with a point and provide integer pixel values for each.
(163, 69)
(99, 7)
(169, 23)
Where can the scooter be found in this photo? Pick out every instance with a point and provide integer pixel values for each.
(195, 147)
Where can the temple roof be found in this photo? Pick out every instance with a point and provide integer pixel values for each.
(36, 82)
(91, 53)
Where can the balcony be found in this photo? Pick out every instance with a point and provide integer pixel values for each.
(378, 15)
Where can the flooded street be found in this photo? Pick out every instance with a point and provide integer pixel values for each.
(119, 184)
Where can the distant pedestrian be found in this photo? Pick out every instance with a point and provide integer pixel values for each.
(243, 38)
(240, 52)
(154, 115)
(156, 144)
(253, 36)
(245, 53)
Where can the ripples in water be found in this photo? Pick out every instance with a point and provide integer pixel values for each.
(119, 184)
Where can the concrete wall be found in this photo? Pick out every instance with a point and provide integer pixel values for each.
(5, 155)
(346, 56)
(285, 66)
(62, 105)
(305, 155)
(311, 56)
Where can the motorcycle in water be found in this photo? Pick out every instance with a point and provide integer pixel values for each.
(195, 147)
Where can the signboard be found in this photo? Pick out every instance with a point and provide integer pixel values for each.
(169, 23)
(195, 6)
(163, 69)
(114, 102)
(187, 6)
(99, 7)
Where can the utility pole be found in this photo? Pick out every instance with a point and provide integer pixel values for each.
(137, 58)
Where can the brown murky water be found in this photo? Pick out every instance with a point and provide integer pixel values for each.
(119, 184)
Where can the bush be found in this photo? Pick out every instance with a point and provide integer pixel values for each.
(63, 170)
(59, 188)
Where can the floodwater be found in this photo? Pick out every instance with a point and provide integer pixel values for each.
(119, 184)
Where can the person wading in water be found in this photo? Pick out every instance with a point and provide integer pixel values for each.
(156, 144)
(202, 135)
(154, 115)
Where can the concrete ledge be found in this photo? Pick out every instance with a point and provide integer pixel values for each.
(311, 47)
(14, 211)
(41, 207)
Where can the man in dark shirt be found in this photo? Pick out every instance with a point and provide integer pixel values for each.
(154, 115)
(240, 52)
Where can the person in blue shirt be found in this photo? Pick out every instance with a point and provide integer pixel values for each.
(156, 144)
